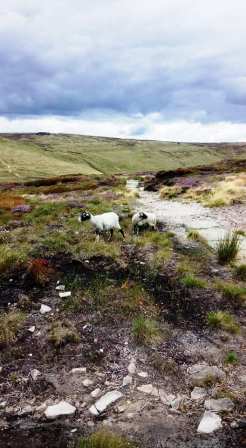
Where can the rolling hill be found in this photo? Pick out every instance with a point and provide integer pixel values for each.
(41, 155)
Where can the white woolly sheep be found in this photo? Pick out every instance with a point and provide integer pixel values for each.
(103, 223)
(141, 219)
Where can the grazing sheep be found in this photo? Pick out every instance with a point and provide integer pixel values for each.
(103, 223)
(141, 219)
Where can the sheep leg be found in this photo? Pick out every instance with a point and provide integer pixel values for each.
(97, 235)
(122, 233)
(111, 234)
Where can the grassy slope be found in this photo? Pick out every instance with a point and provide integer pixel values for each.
(32, 156)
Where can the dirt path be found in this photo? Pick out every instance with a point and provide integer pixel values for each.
(212, 224)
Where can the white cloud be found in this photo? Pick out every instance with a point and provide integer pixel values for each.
(151, 126)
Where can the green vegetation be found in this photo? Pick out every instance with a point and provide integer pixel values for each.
(190, 281)
(223, 320)
(71, 154)
(240, 272)
(194, 235)
(105, 439)
(231, 358)
(145, 330)
(10, 258)
(227, 248)
(232, 291)
(10, 324)
(61, 333)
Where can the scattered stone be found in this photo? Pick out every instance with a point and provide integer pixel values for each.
(198, 393)
(65, 294)
(96, 392)
(60, 288)
(57, 410)
(242, 379)
(78, 370)
(87, 382)
(45, 309)
(219, 405)
(178, 402)
(31, 329)
(3, 404)
(26, 410)
(166, 398)
(148, 389)
(105, 401)
(21, 209)
(127, 380)
(143, 374)
(132, 367)
(1, 369)
(210, 422)
(202, 374)
(35, 374)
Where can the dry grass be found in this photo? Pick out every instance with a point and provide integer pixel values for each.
(105, 439)
(10, 324)
(9, 201)
(62, 333)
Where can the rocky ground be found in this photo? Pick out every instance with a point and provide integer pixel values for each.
(76, 364)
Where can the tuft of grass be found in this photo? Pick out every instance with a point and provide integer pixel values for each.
(164, 366)
(61, 333)
(194, 235)
(228, 247)
(240, 272)
(231, 358)
(10, 324)
(223, 320)
(170, 192)
(190, 281)
(105, 439)
(233, 292)
(145, 330)
(215, 202)
(10, 258)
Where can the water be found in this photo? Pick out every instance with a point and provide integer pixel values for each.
(180, 216)
(132, 184)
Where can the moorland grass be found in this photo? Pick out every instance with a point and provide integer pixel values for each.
(145, 330)
(105, 439)
(227, 248)
(223, 320)
(10, 323)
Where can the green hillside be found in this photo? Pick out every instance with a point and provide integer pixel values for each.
(29, 156)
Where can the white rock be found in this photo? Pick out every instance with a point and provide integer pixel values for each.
(35, 374)
(210, 422)
(60, 288)
(3, 404)
(31, 329)
(166, 398)
(65, 294)
(198, 393)
(143, 374)
(127, 380)
(221, 404)
(1, 369)
(57, 410)
(87, 382)
(96, 392)
(148, 389)
(200, 374)
(45, 309)
(105, 401)
(78, 370)
(132, 367)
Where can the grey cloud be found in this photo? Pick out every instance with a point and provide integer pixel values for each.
(68, 58)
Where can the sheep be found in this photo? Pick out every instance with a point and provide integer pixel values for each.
(103, 222)
(141, 219)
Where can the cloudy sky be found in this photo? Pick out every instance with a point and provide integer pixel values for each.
(161, 69)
